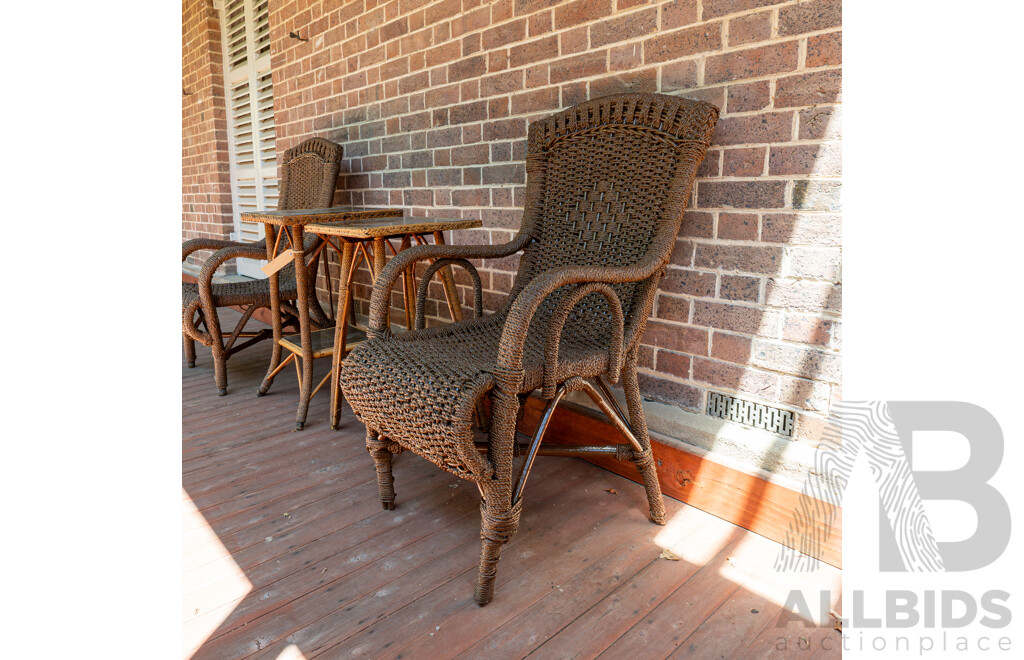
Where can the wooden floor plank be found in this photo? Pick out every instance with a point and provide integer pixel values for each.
(339, 577)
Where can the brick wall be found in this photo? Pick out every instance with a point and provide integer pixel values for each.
(431, 100)
(205, 184)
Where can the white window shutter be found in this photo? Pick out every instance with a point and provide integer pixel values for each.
(245, 26)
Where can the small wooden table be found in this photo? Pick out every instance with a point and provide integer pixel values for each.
(348, 236)
(345, 229)
(291, 224)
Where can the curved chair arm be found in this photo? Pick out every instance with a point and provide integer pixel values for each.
(421, 292)
(205, 279)
(561, 315)
(380, 301)
(513, 337)
(192, 245)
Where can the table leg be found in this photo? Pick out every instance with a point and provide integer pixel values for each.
(378, 265)
(270, 232)
(408, 286)
(448, 280)
(302, 302)
(341, 328)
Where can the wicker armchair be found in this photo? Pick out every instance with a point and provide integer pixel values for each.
(607, 182)
(310, 174)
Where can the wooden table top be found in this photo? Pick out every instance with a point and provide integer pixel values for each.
(307, 216)
(363, 227)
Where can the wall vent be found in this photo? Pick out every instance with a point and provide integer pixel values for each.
(749, 413)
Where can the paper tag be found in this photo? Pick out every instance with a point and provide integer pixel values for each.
(279, 262)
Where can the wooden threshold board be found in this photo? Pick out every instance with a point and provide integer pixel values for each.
(744, 500)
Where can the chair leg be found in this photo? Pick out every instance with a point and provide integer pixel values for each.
(638, 423)
(190, 350)
(220, 370)
(381, 453)
(497, 525)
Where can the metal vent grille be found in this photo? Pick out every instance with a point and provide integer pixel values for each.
(748, 413)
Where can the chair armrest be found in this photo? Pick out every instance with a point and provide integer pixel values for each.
(192, 245)
(421, 293)
(517, 323)
(380, 301)
(205, 279)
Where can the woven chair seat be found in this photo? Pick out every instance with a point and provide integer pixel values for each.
(252, 292)
(433, 379)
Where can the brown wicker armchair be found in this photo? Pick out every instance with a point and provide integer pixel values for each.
(607, 182)
(310, 174)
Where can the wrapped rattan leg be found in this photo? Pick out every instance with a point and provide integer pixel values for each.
(497, 525)
(190, 350)
(379, 449)
(638, 423)
(220, 369)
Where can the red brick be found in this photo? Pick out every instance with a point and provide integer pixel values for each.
(817, 195)
(576, 40)
(740, 287)
(809, 89)
(804, 295)
(502, 83)
(797, 361)
(504, 34)
(678, 75)
(674, 364)
(628, 57)
(752, 63)
(678, 13)
(822, 159)
(821, 123)
(691, 41)
(737, 226)
(735, 318)
(536, 101)
(810, 17)
(468, 68)
(769, 127)
(697, 224)
(622, 83)
(803, 393)
(670, 391)
(750, 28)
(825, 49)
(734, 377)
(689, 282)
(732, 348)
(741, 194)
(534, 51)
(581, 11)
(717, 8)
(802, 229)
(673, 308)
(807, 329)
(742, 258)
(711, 166)
(579, 66)
(684, 339)
(815, 263)
(540, 23)
(625, 27)
(747, 161)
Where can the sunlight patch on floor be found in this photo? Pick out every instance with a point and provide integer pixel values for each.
(206, 608)
(291, 652)
(690, 538)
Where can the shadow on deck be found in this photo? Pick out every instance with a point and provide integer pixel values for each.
(288, 554)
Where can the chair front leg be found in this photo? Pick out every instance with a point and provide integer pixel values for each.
(499, 516)
(190, 350)
(380, 450)
(645, 461)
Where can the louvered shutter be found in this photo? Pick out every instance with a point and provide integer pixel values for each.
(245, 26)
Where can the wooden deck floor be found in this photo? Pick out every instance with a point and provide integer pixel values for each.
(287, 553)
